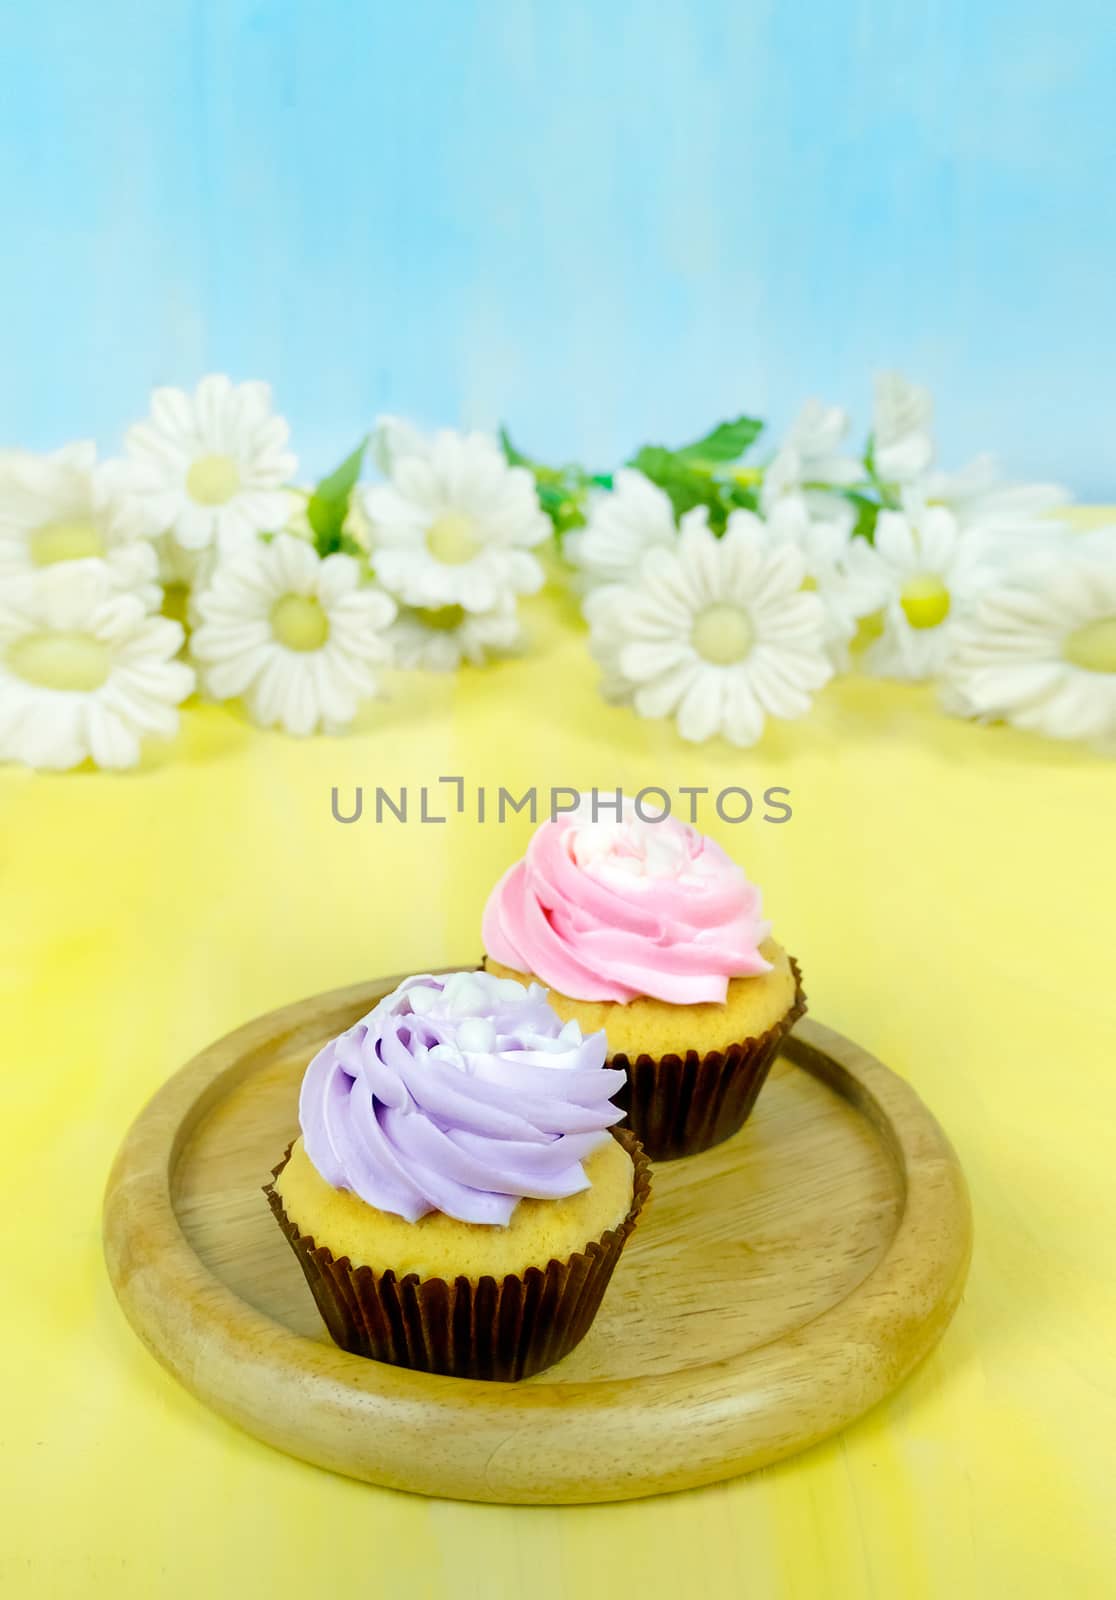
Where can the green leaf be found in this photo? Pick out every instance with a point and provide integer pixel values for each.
(338, 487)
(890, 493)
(328, 506)
(561, 490)
(867, 511)
(727, 442)
(562, 505)
(543, 474)
(685, 485)
(742, 496)
(514, 457)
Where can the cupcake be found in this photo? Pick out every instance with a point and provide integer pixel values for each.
(651, 932)
(457, 1199)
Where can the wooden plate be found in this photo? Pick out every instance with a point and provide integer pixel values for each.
(775, 1288)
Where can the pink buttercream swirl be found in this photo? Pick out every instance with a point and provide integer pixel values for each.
(612, 910)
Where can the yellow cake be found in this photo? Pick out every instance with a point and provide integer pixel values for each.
(438, 1246)
(646, 1026)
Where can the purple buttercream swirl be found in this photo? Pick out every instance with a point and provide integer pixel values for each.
(463, 1094)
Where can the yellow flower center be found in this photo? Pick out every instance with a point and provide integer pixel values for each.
(925, 600)
(176, 602)
(66, 539)
(444, 618)
(74, 661)
(1093, 646)
(298, 621)
(212, 480)
(722, 634)
(809, 584)
(868, 630)
(452, 539)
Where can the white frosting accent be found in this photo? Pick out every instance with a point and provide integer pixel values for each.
(621, 850)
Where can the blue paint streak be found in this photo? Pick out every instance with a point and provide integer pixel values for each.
(606, 223)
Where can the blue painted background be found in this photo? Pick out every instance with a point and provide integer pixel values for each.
(607, 222)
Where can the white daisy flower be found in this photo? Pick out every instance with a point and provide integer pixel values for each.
(67, 507)
(621, 526)
(393, 438)
(182, 569)
(440, 640)
(845, 588)
(209, 468)
(716, 633)
(902, 437)
(986, 505)
(454, 527)
(980, 494)
(1039, 649)
(1007, 518)
(85, 670)
(810, 455)
(296, 636)
(928, 574)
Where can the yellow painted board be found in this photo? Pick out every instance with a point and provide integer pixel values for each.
(948, 889)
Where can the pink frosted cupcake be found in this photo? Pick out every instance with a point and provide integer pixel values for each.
(651, 932)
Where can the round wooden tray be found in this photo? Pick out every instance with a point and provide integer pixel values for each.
(775, 1288)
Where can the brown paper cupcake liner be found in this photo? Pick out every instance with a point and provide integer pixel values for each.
(502, 1330)
(679, 1105)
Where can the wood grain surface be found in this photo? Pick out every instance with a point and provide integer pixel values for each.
(776, 1288)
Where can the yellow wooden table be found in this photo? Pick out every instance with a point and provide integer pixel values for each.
(949, 891)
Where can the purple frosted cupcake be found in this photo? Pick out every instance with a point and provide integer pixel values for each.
(457, 1199)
